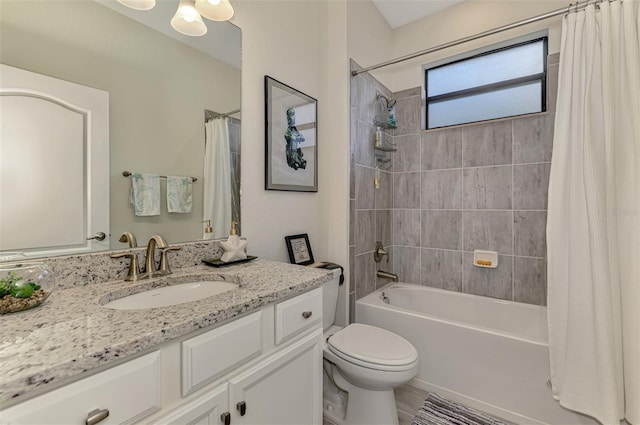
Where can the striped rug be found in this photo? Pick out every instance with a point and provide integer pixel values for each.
(440, 411)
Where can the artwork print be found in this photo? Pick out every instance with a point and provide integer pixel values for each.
(291, 139)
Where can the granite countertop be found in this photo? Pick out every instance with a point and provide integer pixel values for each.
(71, 334)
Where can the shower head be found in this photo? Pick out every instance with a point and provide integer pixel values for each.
(389, 100)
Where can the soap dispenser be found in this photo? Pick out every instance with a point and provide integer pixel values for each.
(234, 247)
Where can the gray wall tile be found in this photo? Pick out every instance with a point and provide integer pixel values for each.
(441, 189)
(533, 139)
(406, 190)
(530, 280)
(384, 195)
(487, 144)
(352, 222)
(442, 269)
(364, 140)
(407, 157)
(352, 176)
(365, 275)
(352, 268)
(442, 149)
(495, 283)
(406, 227)
(552, 86)
(529, 233)
(441, 229)
(408, 115)
(488, 230)
(365, 235)
(487, 188)
(406, 263)
(530, 186)
(364, 187)
(383, 227)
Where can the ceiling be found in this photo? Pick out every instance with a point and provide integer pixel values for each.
(401, 12)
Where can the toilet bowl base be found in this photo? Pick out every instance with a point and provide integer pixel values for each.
(367, 407)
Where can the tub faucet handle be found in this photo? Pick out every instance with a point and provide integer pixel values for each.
(379, 253)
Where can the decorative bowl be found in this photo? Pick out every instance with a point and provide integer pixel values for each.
(24, 285)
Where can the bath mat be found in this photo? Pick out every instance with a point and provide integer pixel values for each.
(440, 411)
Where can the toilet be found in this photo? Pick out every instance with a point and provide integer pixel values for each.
(367, 363)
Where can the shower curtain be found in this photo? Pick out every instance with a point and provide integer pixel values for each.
(593, 227)
(217, 178)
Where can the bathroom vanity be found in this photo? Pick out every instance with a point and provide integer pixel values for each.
(249, 355)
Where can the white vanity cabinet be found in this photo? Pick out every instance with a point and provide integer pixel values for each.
(242, 372)
(126, 393)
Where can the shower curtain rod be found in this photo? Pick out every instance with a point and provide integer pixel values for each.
(211, 115)
(572, 7)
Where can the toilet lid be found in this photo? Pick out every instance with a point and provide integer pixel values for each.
(373, 345)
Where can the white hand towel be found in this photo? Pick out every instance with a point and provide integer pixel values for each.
(179, 194)
(145, 194)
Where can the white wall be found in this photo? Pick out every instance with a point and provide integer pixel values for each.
(289, 41)
(463, 20)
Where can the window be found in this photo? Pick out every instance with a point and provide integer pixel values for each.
(500, 83)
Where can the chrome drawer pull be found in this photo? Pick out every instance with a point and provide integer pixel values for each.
(306, 314)
(96, 416)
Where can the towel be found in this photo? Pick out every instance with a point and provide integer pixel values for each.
(179, 194)
(145, 194)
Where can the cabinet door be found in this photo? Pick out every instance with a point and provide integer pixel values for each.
(208, 409)
(284, 389)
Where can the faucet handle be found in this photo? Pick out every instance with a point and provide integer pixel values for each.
(164, 262)
(134, 271)
(379, 253)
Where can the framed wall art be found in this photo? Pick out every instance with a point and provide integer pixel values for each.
(291, 130)
(299, 249)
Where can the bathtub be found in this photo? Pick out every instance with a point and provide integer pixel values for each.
(486, 353)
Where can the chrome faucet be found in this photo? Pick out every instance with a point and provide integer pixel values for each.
(387, 275)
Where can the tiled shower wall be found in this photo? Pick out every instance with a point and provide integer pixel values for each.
(449, 192)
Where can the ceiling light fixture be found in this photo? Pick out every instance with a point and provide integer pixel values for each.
(139, 4)
(187, 20)
(216, 10)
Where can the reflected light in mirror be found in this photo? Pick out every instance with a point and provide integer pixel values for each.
(216, 10)
(139, 4)
(187, 20)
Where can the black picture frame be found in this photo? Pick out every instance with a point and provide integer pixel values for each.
(299, 249)
(291, 138)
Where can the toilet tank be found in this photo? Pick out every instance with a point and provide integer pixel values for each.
(330, 300)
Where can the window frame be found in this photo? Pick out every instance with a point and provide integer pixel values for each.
(491, 87)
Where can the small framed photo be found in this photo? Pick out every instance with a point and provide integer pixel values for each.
(291, 132)
(299, 249)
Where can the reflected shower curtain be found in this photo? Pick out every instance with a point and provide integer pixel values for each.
(217, 178)
(593, 228)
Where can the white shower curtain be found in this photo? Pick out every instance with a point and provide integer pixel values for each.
(217, 178)
(593, 227)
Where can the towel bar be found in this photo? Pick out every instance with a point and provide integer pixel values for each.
(128, 174)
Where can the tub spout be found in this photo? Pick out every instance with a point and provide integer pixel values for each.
(387, 275)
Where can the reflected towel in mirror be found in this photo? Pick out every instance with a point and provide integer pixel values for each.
(179, 194)
(145, 194)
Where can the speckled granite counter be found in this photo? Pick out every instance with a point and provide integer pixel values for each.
(71, 334)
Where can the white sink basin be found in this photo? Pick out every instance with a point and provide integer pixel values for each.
(171, 295)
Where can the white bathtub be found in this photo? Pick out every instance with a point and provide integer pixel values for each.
(487, 353)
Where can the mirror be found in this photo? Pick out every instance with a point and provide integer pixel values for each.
(160, 83)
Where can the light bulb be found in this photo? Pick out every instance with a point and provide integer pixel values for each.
(187, 20)
(139, 4)
(216, 10)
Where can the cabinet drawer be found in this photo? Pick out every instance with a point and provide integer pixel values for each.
(130, 392)
(296, 314)
(212, 354)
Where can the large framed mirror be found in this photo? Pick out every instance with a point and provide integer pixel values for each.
(162, 88)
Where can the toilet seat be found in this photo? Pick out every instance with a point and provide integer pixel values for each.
(373, 348)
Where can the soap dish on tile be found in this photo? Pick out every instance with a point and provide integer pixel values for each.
(486, 259)
(216, 262)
